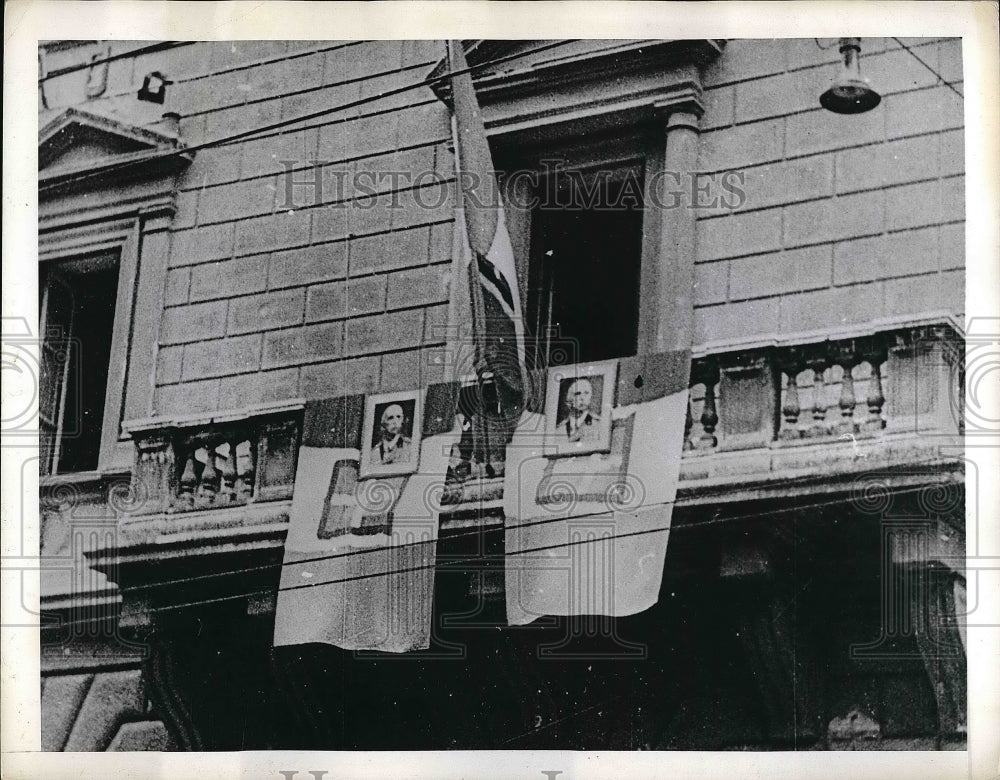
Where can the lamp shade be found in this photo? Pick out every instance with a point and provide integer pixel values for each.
(850, 93)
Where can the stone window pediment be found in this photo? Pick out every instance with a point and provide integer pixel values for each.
(77, 140)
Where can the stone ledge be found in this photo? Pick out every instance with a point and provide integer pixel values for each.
(836, 470)
(246, 528)
(819, 467)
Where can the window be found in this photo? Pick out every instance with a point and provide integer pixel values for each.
(103, 251)
(577, 222)
(583, 275)
(77, 320)
(577, 217)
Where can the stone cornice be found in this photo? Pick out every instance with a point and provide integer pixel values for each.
(717, 485)
(181, 546)
(56, 134)
(631, 81)
(825, 469)
(553, 68)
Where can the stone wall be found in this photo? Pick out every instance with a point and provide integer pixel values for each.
(287, 282)
(847, 219)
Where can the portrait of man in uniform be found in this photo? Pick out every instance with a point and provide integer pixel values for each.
(393, 445)
(582, 423)
(578, 409)
(391, 434)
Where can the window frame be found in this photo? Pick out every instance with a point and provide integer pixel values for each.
(637, 148)
(590, 88)
(115, 202)
(121, 238)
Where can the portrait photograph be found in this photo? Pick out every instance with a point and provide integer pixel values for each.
(578, 409)
(390, 439)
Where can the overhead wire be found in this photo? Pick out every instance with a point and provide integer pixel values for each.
(202, 75)
(457, 562)
(150, 49)
(507, 553)
(452, 563)
(254, 132)
(941, 79)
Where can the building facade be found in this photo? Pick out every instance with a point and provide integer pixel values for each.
(270, 223)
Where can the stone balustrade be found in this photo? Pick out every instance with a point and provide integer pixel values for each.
(214, 463)
(218, 470)
(898, 380)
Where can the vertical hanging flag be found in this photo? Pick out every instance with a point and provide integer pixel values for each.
(587, 534)
(497, 325)
(358, 569)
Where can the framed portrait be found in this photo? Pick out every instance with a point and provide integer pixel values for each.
(578, 403)
(390, 437)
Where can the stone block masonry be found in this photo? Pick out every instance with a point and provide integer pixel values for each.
(287, 287)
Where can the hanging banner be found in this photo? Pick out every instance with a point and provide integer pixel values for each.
(358, 570)
(590, 482)
(485, 247)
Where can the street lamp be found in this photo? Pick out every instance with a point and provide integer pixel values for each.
(850, 93)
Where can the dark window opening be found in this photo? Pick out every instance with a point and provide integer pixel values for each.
(583, 279)
(77, 323)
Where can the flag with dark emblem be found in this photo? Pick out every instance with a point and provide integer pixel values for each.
(497, 325)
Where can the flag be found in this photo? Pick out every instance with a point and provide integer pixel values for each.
(488, 257)
(358, 568)
(587, 534)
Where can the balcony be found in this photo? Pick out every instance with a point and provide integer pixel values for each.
(860, 402)
(784, 422)
(823, 410)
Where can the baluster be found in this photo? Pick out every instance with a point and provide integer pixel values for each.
(245, 471)
(709, 414)
(210, 477)
(188, 483)
(228, 473)
(876, 398)
(819, 426)
(847, 359)
(791, 408)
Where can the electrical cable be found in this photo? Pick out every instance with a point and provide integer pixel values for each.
(478, 530)
(187, 79)
(155, 47)
(253, 133)
(941, 79)
(562, 545)
(450, 562)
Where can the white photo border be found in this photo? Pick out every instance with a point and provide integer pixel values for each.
(365, 469)
(608, 371)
